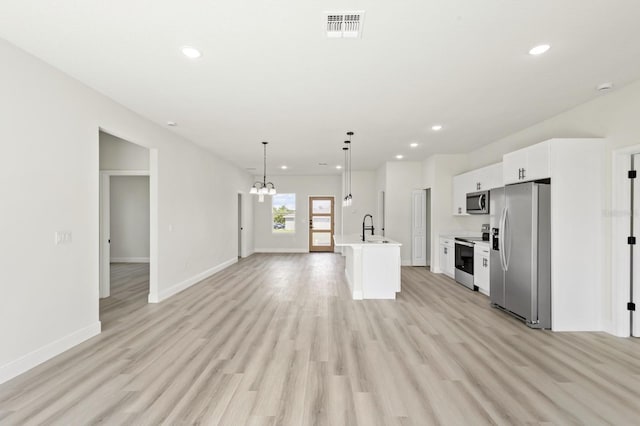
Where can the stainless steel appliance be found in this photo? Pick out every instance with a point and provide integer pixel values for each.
(478, 202)
(521, 252)
(464, 261)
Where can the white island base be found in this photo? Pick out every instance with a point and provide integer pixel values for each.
(372, 266)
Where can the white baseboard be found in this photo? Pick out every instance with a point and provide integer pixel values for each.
(129, 260)
(281, 250)
(175, 289)
(48, 351)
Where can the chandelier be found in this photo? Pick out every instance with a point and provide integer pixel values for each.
(264, 187)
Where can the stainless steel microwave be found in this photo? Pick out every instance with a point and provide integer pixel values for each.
(478, 202)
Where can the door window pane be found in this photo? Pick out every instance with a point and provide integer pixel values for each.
(321, 239)
(321, 223)
(321, 206)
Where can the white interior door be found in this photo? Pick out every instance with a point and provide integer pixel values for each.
(105, 235)
(419, 228)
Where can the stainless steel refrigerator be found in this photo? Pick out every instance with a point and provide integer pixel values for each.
(521, 251)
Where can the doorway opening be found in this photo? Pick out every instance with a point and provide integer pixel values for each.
(321, 224)
(128, 220)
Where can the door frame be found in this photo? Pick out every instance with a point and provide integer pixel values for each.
(419, 233)
(331, 248)
(105, 225)
(620, 322)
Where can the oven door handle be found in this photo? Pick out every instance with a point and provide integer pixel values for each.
(465, 243)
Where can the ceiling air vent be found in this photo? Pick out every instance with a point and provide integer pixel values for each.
(344, 24)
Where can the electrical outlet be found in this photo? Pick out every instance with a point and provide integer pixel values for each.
(62, 237)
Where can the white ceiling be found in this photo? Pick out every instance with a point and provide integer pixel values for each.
(269, 73)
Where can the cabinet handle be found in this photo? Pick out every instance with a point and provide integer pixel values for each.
(459, 210)
(523, 173)
(519, 174)
(445, 250)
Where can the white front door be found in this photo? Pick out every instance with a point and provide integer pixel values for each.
(419, 228)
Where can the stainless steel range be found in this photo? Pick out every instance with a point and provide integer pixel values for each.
(464, 261)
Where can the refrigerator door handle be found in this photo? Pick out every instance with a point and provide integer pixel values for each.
(501, 239)
(506, 250)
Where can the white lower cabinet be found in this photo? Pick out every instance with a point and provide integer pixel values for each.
(481, 274)
(447, 257)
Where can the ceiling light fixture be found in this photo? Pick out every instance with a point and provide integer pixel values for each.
(436, 127)
(539, 50)
(191, 52)
(399, 156)
(264, 187)
(338, 167)
(283, 167)
(413, 145)
(348, 199)
(604, 87)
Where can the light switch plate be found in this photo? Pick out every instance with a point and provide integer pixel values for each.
(62, 237)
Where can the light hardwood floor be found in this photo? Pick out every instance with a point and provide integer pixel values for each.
(276, 340)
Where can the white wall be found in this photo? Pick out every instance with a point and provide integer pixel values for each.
(118, 154)
(303, 187)
(402, 177)
(50, 146)
(129, 218)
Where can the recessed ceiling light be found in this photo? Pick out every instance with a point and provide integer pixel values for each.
(413, 145)
(283, 167)
(191, 52)
(604, 87)
(436, 127)
(172, 123)
(338, 167)
(539, 50)
(399, 156)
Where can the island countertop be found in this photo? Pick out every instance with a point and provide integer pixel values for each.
(356, 240)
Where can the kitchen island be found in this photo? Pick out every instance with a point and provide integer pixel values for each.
(372, 267)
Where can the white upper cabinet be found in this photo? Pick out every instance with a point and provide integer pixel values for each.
(461, 185)
(482, 179)
(530, 163)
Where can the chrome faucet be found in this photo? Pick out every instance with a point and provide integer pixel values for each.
(367, 228)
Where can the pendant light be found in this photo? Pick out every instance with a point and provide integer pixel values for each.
(264, 187)
(345, 175)
(348, 199)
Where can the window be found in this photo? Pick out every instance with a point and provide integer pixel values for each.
(283, 207)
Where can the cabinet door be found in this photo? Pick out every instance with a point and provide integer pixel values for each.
(451, 263)
(538, 162)
(443, 259)
(512, 165)
(491, 177)
(462, 184)
(481, 271)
